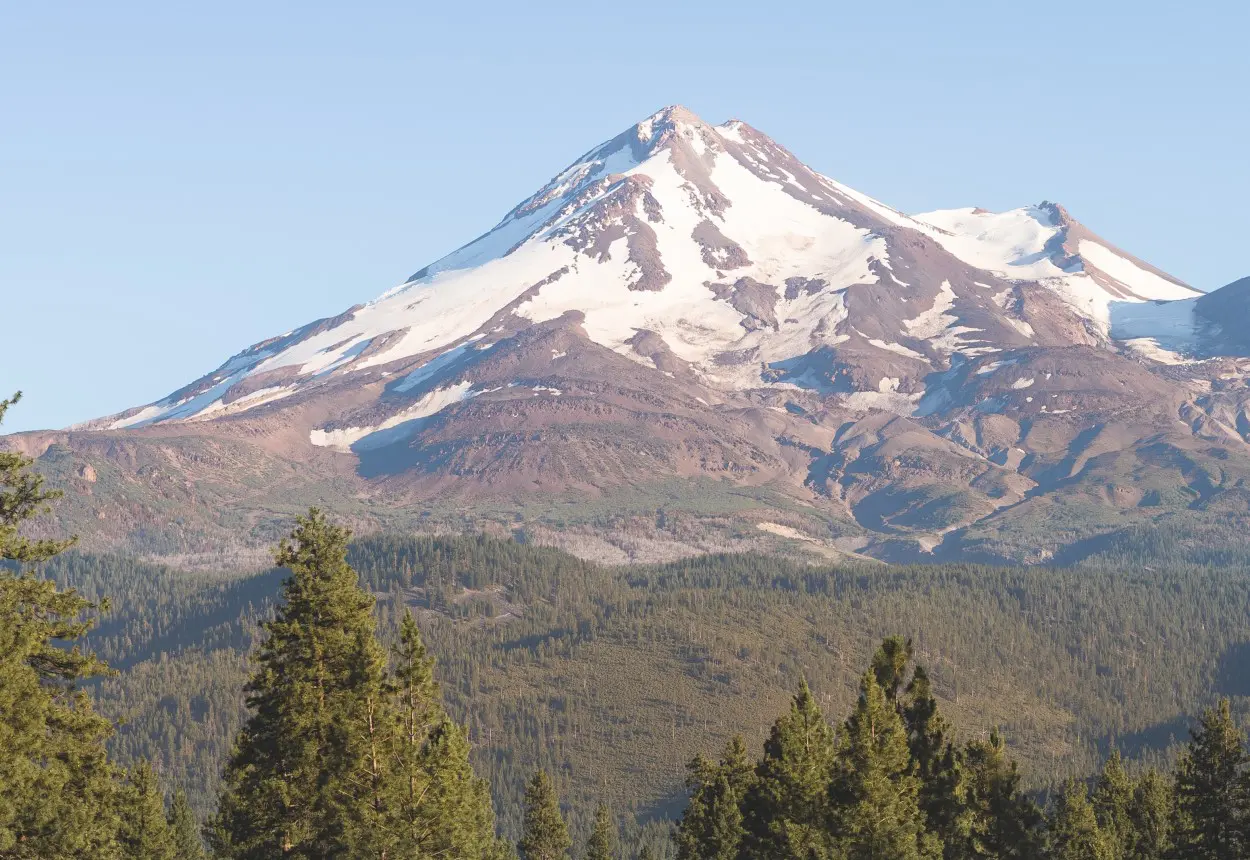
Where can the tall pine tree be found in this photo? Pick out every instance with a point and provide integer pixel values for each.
(184, 829)
(1074, 830)
(144, 833)
(998, 819)
(1151, 814)
(433, 803)
(544, 835)
(602, 842)
(712, 826)
(875, 790)
(1113, 806)
(1211, 802)
(302, 782)
(787, 810)
(937, 761)
(59, 794)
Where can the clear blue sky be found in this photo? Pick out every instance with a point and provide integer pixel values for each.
(178, 181)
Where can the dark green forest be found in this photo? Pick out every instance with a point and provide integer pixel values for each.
(613, 678)
(945, 710)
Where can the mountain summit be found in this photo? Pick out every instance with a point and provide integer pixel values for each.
(689, 302)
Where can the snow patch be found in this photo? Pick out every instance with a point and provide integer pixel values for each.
(398, 426)
(1143, 283)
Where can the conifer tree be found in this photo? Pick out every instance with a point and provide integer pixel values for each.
(936, 759)
(1113, 804)
(711, 828)
(875, 790)
(458, 813)
(1151, 814)
(184, 829)
(59, 794)
(22, 498)
(646, 852)
(302, 781)
(1210, 790)
(889, 665)
(434, 804)
(737, 767)
(1074, 831)
(787, 810)
(144, 833)
(544, 834)
(997, 820)
(602, 842)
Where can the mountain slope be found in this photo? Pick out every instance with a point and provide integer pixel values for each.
(690, 303)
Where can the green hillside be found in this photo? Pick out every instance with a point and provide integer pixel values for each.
(613, 678)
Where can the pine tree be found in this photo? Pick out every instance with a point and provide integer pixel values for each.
(1211, 801)
(144, 833)
(434, 804)
(711, 827)
(461, 820)
(59, 794)
(544, 835)
(787, 810)
(646, 853)
(22, 498)
(184, 829)
(998, 820)
(875, 789)
(602, 842)
(1113, 804)
(303, 780)
(1151, 814)
(936, 759)
(889, 665)
(1074, 831)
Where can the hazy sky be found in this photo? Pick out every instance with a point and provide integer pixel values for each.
(178, 181)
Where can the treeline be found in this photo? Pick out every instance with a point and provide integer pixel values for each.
(612, 678)
(890, 782)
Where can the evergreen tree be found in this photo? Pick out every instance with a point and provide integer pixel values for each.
(59, 794)
(144, 832)
(889, 665)
(711, 827)
(997, 820)
(646, 852)
(936, 759)
(22, 498)
(602, 842)
(459, 816)
(412, 811)
(434, 804)
(1113, 807)
(1210, 790)
(1074, 831)
(544, 835)
(737, 768)
(304, 780)
(787, 809)
(1151, 814)
(184, 830)
(875, 790)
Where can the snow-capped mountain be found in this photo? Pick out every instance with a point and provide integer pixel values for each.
(691, 301)
(716, 246)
